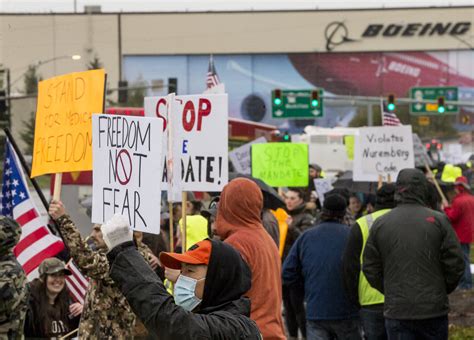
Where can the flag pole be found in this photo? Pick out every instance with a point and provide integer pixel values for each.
(381, 111)
(33, 181)
(26, 168)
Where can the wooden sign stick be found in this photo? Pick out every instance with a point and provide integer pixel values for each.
(58, 179)
(170, 208)
(184, 202)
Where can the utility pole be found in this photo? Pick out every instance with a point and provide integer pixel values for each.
(370, 115)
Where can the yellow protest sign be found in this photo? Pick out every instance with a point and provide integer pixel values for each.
(281, 164)
(349, 142)
(63, 130)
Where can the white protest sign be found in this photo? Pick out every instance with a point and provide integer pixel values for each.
(199, 126)
(421, 156)
(157, 107)
(322, 185)
(454, 154)
(126, 160)
(240, 157)
(382, 151)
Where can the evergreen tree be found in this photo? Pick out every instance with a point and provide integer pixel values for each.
(31, 80)
(94, 64)
(28, 134)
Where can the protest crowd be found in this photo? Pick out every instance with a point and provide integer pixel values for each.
(231, 256)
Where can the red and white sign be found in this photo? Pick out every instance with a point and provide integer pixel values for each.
(197, 139)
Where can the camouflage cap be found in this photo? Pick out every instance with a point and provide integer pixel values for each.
(52, 266)
(10, 233)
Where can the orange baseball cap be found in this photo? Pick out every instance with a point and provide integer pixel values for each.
(196, 254)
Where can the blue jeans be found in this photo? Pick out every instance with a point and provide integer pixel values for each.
(373, 322)
(466, 279)
(427, 329)
(333, 329)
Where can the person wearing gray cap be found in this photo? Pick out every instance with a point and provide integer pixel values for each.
(51, 312)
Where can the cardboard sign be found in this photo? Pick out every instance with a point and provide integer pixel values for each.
(322, 185)
(127, 161)
(382, 151)
(63, 138)
(199, 129)
(157, 107)
(240, 157)
(281, 164)
(421, 156)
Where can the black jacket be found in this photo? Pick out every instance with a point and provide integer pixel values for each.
(302, 220)
(61, 323)
(412, 254)
(223, 312)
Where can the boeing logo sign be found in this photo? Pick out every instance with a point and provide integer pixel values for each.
(337, 33)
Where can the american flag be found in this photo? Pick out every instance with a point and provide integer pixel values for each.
(37, 243)
(76, 283)
(389, 118)
(212, 77)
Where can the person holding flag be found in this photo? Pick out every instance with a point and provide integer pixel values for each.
(106, 313)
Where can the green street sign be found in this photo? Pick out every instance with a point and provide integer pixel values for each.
(297, 104)
(449, 93)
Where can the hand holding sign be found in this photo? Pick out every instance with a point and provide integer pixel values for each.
(116, 231)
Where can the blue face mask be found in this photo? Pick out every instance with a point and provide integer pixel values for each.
(184, 293)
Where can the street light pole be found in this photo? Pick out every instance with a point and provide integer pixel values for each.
(43, 62)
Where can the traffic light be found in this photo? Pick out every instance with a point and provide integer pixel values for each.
(123, 91)
(441, 108)
(286, 137)
(3, 103)
(277, 97)
(173, 85)
(314, 98)
(391, 102)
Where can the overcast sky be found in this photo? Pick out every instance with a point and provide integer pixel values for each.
(35, 6)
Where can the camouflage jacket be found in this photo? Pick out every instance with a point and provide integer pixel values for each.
(13, 297)
(106, 313)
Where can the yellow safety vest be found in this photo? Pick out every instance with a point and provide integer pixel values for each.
(367, 294)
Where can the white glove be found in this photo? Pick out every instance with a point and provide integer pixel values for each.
(116, 231)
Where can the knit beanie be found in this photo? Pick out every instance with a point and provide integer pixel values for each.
(334, 205)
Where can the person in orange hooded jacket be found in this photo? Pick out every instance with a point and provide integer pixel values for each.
(239, 224)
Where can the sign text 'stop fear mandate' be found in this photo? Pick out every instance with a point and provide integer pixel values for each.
(63, 130)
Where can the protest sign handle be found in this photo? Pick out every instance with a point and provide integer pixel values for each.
(389, 178)
(69, 334)
(58, 179)
(171, 230)
(380, 183)
(444, 201)
(184, 202)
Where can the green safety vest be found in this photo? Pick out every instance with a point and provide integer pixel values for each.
(367, 294)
